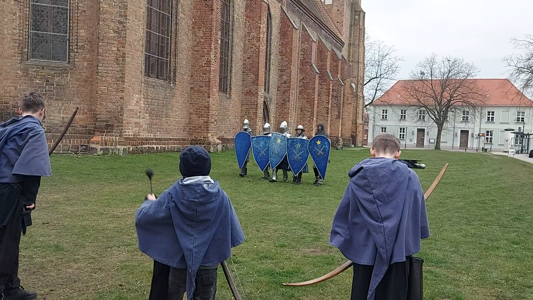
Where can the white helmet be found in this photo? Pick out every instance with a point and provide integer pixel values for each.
(283, 124)
(300, 127)
(246, 124)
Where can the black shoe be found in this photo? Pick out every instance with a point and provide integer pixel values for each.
(19, 294)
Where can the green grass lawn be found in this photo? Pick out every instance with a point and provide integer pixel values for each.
(83, 243)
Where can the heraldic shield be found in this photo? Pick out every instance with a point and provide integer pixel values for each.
(297, 153)
(243, 143)
(260, 146)
(278, 149)
(319, 148)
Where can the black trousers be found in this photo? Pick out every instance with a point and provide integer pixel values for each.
(10, 241)
(170, 283)
(395, 285)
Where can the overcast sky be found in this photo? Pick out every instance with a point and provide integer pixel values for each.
(479, 31)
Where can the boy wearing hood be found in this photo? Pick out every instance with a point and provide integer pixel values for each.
(379, 223)
(188, 231)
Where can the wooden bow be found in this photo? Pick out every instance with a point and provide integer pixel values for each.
(54, 146)
(230, 281)
(349, 263)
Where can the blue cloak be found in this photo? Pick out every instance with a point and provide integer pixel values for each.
(381, 217)
(23, 149)
(192, 223)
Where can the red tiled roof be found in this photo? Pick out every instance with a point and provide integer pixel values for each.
(499, 92)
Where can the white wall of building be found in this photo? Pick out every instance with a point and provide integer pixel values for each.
(404, 123)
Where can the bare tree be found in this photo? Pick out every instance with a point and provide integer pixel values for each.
(521, 65)
(439, 84)
(381, 68)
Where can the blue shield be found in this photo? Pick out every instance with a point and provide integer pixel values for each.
(278, 149)
(243, 143)
(297, 153)
(319, 148)
(260, 146)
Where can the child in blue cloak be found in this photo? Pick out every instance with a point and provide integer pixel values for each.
(379, 223)
(188, 231)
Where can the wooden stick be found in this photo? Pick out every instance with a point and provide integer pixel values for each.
(230, 281)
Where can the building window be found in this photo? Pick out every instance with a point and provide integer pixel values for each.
(421, 115)
(383, 129)
(384, 114)
(225, 47)
(268, 52)
(520, 116)
(466, 115)
(403, 114)
(401, 136)
(158, 31)
(490, 116)
(49, 29)
(488, 136)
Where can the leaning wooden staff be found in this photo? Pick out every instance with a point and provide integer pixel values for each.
(349, 263)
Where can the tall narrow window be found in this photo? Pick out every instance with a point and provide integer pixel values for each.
(488, 136)
(158, 30)
(383, 129)
(268, 52)
(520, 116)
(49, 30)
(225, 47)
(421, 115)
(403, 114)
(490, 116)
(401, 135)
(466, 116)
(384, 114)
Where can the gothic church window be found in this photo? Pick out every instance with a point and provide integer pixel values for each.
(49, 30)
(158, 33)
(224, 78)
(268, 51)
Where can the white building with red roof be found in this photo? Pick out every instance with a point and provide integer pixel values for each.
(503, 110)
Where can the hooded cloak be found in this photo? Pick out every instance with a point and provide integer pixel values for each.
(192, 223)
(381, 217)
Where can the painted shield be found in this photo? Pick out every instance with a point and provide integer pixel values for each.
(278, 149)
(319, 148)
(243, 143)
(297, 153)
(260, 146)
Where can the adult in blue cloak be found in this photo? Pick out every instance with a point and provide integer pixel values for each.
(23, 160)
(191, 228)
(380, 221)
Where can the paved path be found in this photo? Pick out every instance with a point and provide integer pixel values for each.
(523, 157)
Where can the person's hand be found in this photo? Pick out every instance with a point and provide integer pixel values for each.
(30, 207)
(151, 197)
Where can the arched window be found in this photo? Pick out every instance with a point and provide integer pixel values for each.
(224, 78)
(268, 55)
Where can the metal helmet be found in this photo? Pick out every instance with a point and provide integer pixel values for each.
(300, 127)
(283, 125)
(246, 124)
(266, 128)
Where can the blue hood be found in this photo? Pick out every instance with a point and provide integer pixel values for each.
(381, 217)
(189, 225)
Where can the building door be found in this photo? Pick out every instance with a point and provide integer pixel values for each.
(463, 142)
(420, 135)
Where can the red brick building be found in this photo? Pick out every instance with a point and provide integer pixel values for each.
(157, 75)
